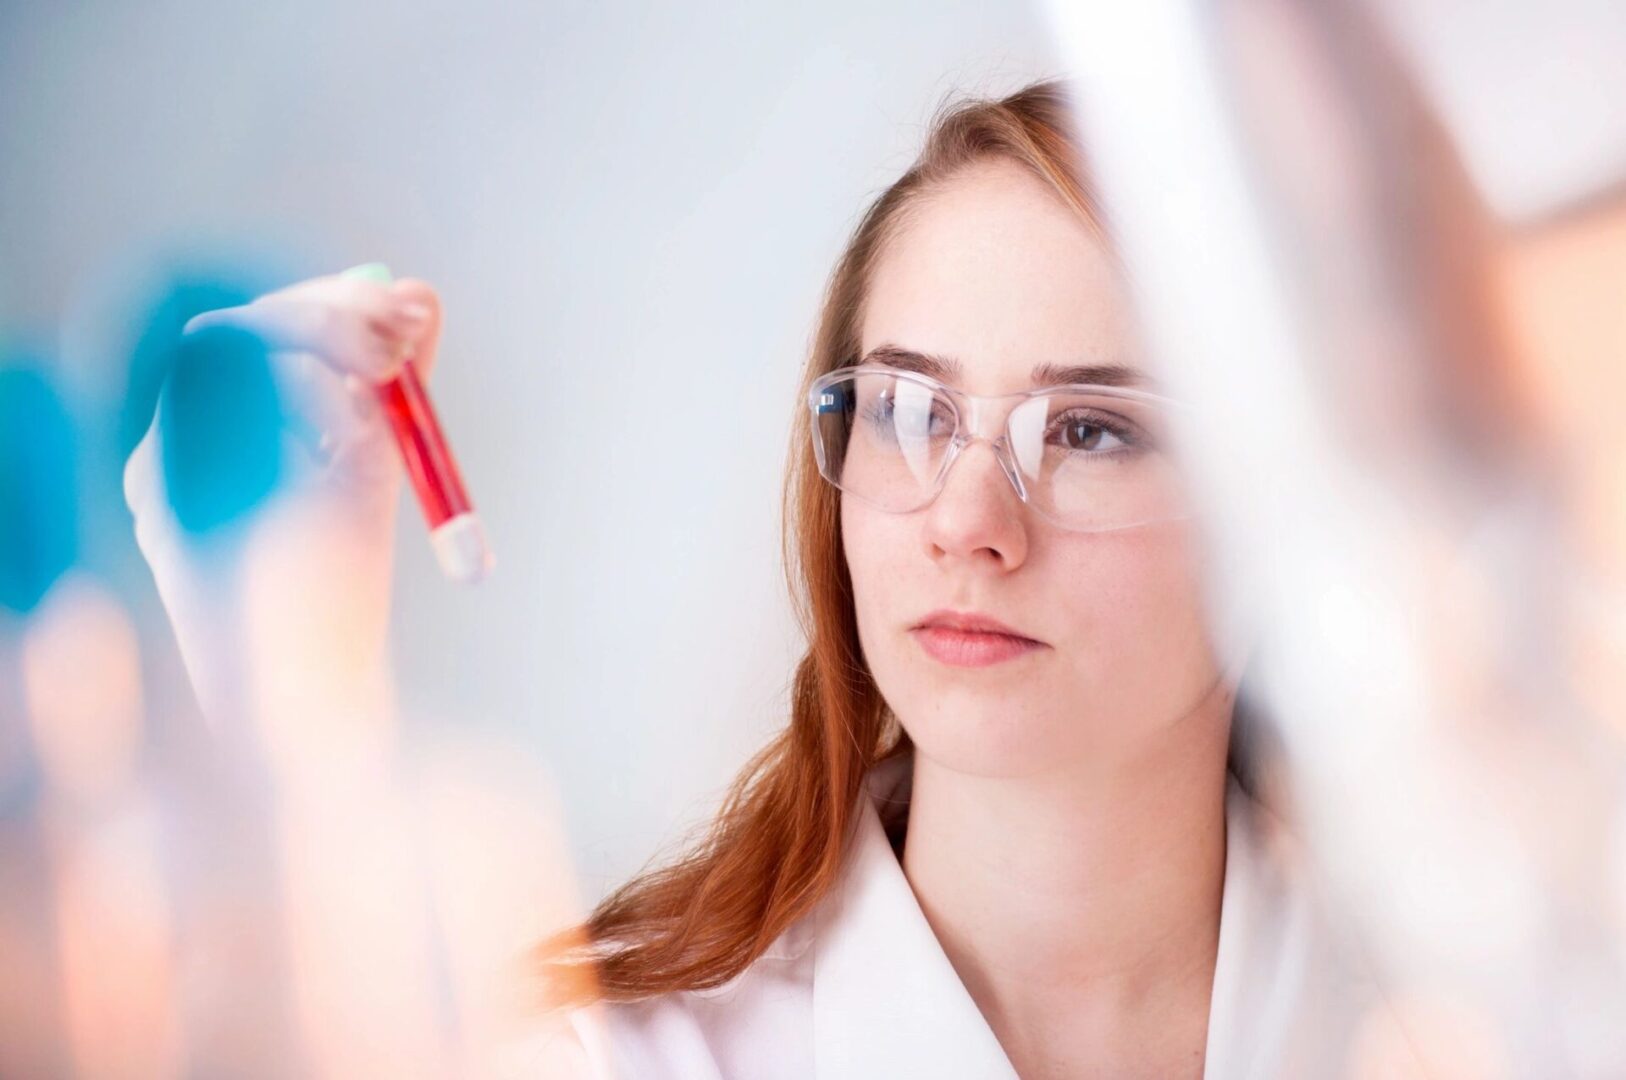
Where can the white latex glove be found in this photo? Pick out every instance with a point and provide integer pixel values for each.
(293, 601)
(410, 880)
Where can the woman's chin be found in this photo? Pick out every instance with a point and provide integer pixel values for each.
(1000, 741)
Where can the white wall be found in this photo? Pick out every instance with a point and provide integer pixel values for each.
(630, 211)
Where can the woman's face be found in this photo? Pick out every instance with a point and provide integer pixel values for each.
(993, 271)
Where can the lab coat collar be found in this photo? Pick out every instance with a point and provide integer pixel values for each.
(887, 1001)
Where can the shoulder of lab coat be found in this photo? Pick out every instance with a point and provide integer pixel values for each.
(860, 987)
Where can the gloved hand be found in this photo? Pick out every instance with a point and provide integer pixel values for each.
(294, 598)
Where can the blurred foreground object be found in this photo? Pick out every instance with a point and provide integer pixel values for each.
(316, 895)
(1410, 374)
(306, 883)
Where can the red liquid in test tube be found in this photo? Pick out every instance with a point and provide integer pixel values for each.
(454, 530)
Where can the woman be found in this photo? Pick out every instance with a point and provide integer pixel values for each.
(999, 836)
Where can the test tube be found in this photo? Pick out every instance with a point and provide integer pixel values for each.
(455, 532)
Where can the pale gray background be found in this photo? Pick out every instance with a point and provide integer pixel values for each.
(630, 210)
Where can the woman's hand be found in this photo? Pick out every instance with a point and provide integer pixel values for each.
(301, 589)
(408, 878)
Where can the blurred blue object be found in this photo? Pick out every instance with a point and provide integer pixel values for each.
(38, 489)
(153, 353)
(220, 416)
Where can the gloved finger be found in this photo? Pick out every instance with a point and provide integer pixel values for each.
(425, 345)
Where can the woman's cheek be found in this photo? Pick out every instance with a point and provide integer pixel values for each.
(867, 551)
(889, 590)
(1135, 604)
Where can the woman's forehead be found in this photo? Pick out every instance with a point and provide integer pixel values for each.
(992, 275)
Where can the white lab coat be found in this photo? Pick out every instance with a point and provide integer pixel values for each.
(861, 988)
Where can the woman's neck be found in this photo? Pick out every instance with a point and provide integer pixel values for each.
(1081, 909)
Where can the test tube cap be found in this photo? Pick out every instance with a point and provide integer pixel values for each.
(461, 548)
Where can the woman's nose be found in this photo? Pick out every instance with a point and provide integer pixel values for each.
(977, 514)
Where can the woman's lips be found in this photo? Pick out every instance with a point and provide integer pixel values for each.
(968, 648)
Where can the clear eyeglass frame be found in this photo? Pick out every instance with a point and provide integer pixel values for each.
(984, 411)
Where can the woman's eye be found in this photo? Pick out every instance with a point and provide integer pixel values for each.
(1091, 435)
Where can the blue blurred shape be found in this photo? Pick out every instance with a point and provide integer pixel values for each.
(220, 417)
(153, 353)
(38, 488)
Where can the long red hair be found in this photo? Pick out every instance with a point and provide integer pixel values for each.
(776, 846)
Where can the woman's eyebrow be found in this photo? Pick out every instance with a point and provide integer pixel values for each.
(948, 370)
